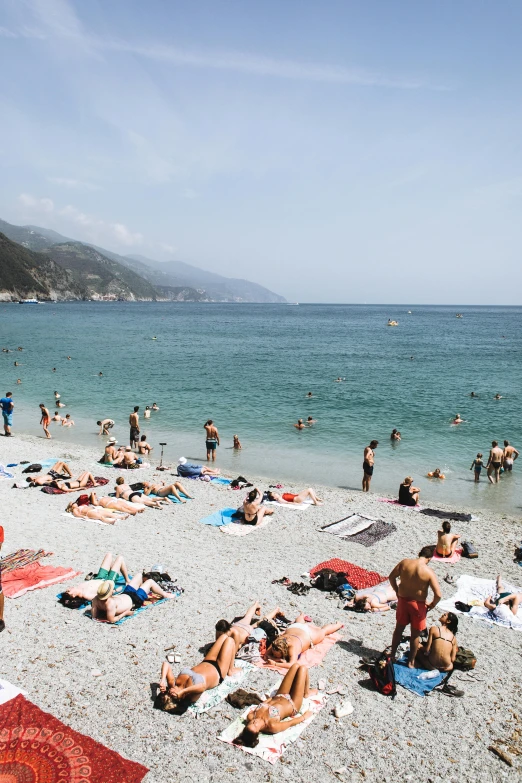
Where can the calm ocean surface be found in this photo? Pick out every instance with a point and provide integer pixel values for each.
(249, 368)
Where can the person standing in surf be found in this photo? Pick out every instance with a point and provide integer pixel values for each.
(134, 422)
(212, 440)
(45, 420)
(368, 460)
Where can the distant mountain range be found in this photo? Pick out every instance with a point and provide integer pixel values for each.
(39, 262)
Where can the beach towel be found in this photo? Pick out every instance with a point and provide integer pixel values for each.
(34, 577)
(152, 600)
(219, 518)
(457, 516)
(4, 474)
(214, 696)
(348, 526)
(272, 746)
(219, 480)
(21, 558)
(376, 532)
(358, 577)
(470, 589)
(8, 691)
(86, 519)
(100, 482)
(241, 529)
(310, 658)
(293, 506)
(36, 746)
(396, 503)
(413, 679)
(453, 559)
(173, 498)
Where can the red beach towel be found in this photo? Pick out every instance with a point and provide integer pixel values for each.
(36, 746)
(100, 482)
(358, 577)
(33, 577)
(312, 657)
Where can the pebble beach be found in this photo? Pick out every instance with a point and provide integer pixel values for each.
(98, 678)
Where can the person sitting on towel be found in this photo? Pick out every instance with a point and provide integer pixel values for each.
(163, 490)
(188, 470)
(126, 492)
(85, 591)
(408, 495)
(190, 683)
(253, 512)
(503, 597)
(296, 639)
(301, 497)
(270, 717)
(441, 649)
(60, 470)
(447, 541)
(106, 605)
(373, 599)
(241, 629)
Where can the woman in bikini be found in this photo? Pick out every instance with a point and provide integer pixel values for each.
(502, 597)
(301, 497)
(60, 470)
(441, 649)
(447, 541)
(164, 490)
(106, 515)
(117, 504)
(296, 639)
(253, 511)
(190, 683)
(126, 492)
(85, 479)
(271, 716)
(373, 599)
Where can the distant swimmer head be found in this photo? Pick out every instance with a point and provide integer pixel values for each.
(182, 460)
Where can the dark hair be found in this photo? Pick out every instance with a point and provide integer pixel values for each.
(374, 443)
(136, 408)
(120, 480)
(222, 626)
(165, 702)
(270, 496)
(143, 437)
(9, 394)
(70, 601)
(248, 738)
(453, 622)
(209, 421)
(506, 443)
(98, 422)
(494, 442)
(360, 604)
(446, 526)
(252, 495)
(428, 551)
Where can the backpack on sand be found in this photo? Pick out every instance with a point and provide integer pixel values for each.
(382, 675)
(328, 580)
(465, 660)
(469, 549)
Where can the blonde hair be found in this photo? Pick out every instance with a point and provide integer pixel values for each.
(280, 645)
(408, 480)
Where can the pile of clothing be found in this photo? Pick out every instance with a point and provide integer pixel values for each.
(261, 637)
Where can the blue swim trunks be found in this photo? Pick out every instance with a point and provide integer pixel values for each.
(8, 419)
(138, 597)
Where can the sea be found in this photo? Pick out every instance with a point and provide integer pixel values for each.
(249, 368)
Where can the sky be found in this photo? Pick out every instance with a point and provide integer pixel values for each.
(334, 152)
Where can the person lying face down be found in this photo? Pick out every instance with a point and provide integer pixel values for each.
(269, 716)
(126, 492)
(191, 683)
(296, 639)
(106, 605)
(373, 599)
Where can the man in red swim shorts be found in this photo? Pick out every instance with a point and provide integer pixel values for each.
(416, 577)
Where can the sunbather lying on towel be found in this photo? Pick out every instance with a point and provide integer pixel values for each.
(60, 470)
(108, 606)
(190, 683)
(253, 512)
(188, 470)
(85, 591)
(71, 485)
(296, 639)
(373, 599)
(126, 492)
(288, 497)
(440, 651)
(241, 629)
(162, 490)
(503, 597)
(268, 717)
(117, 503)
(447, 541)
(107, 515)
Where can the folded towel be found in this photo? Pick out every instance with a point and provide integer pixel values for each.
(348, 526)
(219, 518)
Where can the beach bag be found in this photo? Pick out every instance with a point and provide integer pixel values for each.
(34, 468)
(382, 675)
(328, 580)
(518, 554)
(469, 550)
(465, 660)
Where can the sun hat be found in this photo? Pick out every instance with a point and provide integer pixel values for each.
(105, 590)
(112, 440)
(182, 460)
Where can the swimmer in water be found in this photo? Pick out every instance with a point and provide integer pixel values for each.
(473, 394)
(395, 435)
(17, 364)
(457, 419)
(310, 421)
(67, 422)
(339, 380)
(100, 374)
(436, 474)
(155, 407)
(497, 397)
(300, 425)
(237, 443)
(308, 395)
(54, 369)
(68, 358)
(56, 417)
(19, 380)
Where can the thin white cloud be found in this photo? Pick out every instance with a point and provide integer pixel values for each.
(36, 204)
(5, 33)
(73, 184)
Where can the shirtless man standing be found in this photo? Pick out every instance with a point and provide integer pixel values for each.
(368, 460)
(416, 577)
(134, 422)
(212, 440)
(496, 455)
(510, 455)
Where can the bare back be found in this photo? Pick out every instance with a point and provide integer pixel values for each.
(415, 578)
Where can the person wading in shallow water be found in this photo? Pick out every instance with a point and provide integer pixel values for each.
(368, 461)
(212, 440)
(134, 422)
(496, 455)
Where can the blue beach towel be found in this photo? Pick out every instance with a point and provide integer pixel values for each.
(171, 497)
(5, 473)
(411, 678)
(220, 518)
(218, 480)
(87, 613)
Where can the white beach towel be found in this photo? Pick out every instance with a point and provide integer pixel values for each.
(293, 506)
(471, 588)
(8, 691)
(86, 519)
(238, 529)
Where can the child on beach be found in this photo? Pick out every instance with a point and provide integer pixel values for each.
(477, 465)
(237, 442)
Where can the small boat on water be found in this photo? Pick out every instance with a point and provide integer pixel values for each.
(409, 312)
(393, 323)
(458, 315)
(29, 301)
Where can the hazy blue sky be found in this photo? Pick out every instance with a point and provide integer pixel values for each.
(334, 151)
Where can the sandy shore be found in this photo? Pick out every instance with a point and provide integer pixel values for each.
(51, 652)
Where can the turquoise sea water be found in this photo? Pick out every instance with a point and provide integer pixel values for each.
(249, 368)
